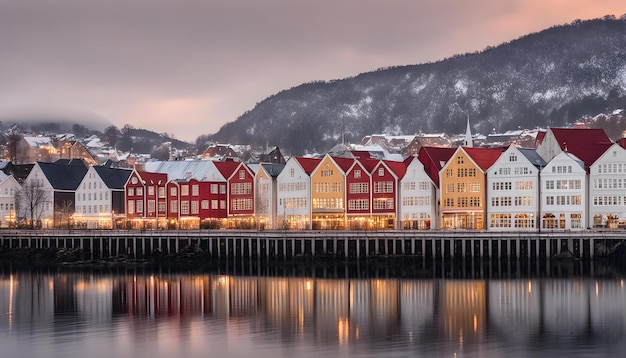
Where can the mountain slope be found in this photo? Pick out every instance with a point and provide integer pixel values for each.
(548, 78)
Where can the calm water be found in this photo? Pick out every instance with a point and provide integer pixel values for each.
(477, 310)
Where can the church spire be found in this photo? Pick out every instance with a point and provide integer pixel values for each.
(469, 142)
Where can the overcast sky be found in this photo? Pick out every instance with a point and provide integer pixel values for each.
(186, 67)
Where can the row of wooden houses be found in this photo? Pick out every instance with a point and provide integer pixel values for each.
(574, 179)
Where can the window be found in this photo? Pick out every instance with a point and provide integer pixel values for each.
(383, 204)
(381, 172)
(139, 205)
(460, 160)
(359, 188)
(131, 192)
(242, 174)
(195, 190)
(383, 187)
(139, 191)
(184, 207)
(161, 192)
(241, 188)
(357, 174)
(173, 191)
(131, 206)
(214, 204)
(292, 172)
(194, 207)
(223, 189)
(358, 204)
(174, 206)
(184, 190)
(214, 189)
(151, 190)
(240, 204)
(151, 206)
(204, 204)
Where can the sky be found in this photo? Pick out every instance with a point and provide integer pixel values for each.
(187, 67)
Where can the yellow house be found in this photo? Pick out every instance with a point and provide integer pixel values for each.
(328, 183)
(463, 188)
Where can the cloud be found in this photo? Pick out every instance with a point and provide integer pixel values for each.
(154, 63)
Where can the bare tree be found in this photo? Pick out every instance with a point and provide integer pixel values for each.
(13, 141)
(63, 214)
(112, 135)
(31, 202)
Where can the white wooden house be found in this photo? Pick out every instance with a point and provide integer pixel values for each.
(418, 198)
(9, 188)
(100, 197)
(513, 190)
(294, 193)
(563, 193)
(607, 189)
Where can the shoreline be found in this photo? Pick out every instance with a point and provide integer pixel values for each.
(295, 245)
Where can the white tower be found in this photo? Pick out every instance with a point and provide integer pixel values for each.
(469, 142)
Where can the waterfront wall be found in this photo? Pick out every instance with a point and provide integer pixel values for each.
(102, 244)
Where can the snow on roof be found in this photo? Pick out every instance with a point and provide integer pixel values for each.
(202, 170)
(38, 141)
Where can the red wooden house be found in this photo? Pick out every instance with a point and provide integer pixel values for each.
(385, 194)
(195, 203)
(240, 191)
(143, 191)
(358, 195)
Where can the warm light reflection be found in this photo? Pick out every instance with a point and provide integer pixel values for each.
(325, 310)
(12, 284)
(343, 330)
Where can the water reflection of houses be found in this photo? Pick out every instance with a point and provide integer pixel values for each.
(322, 310)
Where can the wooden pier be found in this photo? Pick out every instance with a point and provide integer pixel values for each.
(100, 244)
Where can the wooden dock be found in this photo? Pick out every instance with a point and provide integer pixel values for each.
(100, 244)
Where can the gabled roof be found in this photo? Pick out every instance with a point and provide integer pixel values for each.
(76, 162)
(227, 168)
(533, 157)
(63, 177)
(433, 159)
(585, 143)
(484, 157)
(183, 169)
(113, 178)
(369, 164)
(570, 156)
(272, 169)
(343, 163)
(153, 178)
(398, 168)
(38, 141)
(539, 138)
(308, 164)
